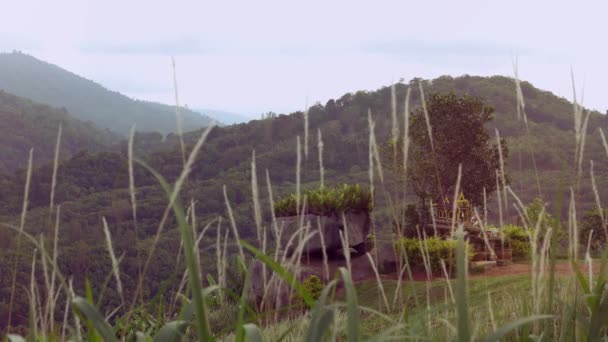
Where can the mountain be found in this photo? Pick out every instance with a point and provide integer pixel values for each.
(28, 77)
(94, 185)
(25, 124)
(227, 118)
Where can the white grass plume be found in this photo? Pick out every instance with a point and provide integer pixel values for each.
(406, 132)
(275, 225)
(323, 249)
(378, 281)
(589, 261)
(298, 173)
(456, 193)
(178, 114)
(521, 105)
(218, 257)
(320, 147)
(306, 132)
(33, 297)
(394, 121)
(235, 230)
(597, 200)
(447, 280)
(604, 140)
(54, 268)
(427, 119)
(132, 194)
(257, 211)
(55, 167)
(345, 248)
(115, 269)
(502, 169)
(499, 197)
(26, 192)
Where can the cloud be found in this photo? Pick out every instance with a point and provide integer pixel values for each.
(175, 46)
(434, 48)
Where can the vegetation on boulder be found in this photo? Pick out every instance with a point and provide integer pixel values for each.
(327, 201)
(434, 248)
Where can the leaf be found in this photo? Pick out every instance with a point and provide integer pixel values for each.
(252, 333)
(141, 337)
(321, 317)
(282, 272)
(583, 282)
(464, 334)
(15, 338)
(204, 332)
(513, 325)
(93, 316)
(241, 327)
(353, 332)
(172, 331)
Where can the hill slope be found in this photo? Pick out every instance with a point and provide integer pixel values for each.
(227, 118)
(28, 77)
(25, 124)
(95, 185)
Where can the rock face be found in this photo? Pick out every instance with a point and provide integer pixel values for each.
(354, 226)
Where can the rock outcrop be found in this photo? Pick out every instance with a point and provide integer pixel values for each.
(355, 227)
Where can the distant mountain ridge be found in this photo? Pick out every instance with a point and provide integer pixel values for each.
(225, 117)
(26, 125)
(26, 76)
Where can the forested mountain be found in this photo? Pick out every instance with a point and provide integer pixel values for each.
(94, 185)
(25, 124)
(28, 77)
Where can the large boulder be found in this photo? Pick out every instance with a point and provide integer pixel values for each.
(354, 225)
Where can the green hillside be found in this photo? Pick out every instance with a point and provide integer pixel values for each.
(28, 77)
(25, 124)
(92, 185)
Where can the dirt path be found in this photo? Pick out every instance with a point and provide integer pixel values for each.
(362, 270)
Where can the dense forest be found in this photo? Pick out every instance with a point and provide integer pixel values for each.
(28, 77)
(29, 125)
(93, 184)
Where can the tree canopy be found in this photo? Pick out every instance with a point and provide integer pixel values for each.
(459, 137)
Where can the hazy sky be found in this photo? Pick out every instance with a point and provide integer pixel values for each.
(256, 56)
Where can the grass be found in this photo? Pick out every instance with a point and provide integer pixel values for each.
(518, 308)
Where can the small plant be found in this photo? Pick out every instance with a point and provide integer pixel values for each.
(370, 242)
(518, 240)
(327, 201)
(313, 286)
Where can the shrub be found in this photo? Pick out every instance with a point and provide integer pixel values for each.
(370, 242)
(438, 249)
(518, 240)
(328, 201)
(314, 286)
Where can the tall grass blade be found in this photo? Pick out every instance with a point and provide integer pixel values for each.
(191, 262)
(252, 333)
(353, 332)
(90, 313)
(462, 306)
(26, 193)
(172, 332)
(503, 331)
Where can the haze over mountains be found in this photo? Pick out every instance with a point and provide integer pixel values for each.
(28, 77)
(225, 117)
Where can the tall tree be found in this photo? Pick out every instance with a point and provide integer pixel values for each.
(459, 137)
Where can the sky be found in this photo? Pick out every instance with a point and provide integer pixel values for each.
(252, 57)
